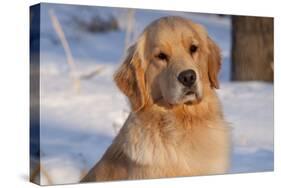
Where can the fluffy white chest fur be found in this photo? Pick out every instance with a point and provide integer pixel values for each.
(166, 146)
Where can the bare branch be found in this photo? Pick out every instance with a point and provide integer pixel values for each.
(130, 28)
(70, 61)
(91, 74)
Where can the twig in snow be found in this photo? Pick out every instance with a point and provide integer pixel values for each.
(115, 127)
(84, 170)
(40, 169)
(70, 61)
(117, 124)
(130, 28)
(91, 74)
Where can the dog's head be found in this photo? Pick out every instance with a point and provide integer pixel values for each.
(174, 59)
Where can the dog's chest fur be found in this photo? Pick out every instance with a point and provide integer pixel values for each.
(169, 146)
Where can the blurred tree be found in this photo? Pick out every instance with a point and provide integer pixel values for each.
(252, 48)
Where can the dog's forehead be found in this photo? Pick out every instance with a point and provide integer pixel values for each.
(167, 30)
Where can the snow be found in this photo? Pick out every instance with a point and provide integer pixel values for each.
(76, 128)
(248, 107)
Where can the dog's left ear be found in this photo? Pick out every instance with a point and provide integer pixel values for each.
(130, 78)
(214, 63)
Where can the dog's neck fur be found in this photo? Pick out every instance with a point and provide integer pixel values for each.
(162, 140)
(177, 125)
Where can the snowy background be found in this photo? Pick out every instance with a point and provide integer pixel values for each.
(76, 128)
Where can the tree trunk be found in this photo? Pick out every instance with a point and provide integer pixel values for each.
(252, 48)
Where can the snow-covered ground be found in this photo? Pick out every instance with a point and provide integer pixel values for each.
(77, 128)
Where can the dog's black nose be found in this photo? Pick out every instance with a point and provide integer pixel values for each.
(187, 77)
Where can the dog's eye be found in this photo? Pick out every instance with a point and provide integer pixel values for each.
(193, 48)
(162, 56)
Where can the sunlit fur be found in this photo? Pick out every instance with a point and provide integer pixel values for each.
(168, 134)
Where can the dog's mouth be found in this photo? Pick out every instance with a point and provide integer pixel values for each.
(187, 93)
(183, 96)
(190, 96)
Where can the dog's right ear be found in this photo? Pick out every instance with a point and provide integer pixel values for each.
(130, 78)
(214, 63)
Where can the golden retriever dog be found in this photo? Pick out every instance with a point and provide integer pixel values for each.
(176, 125)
